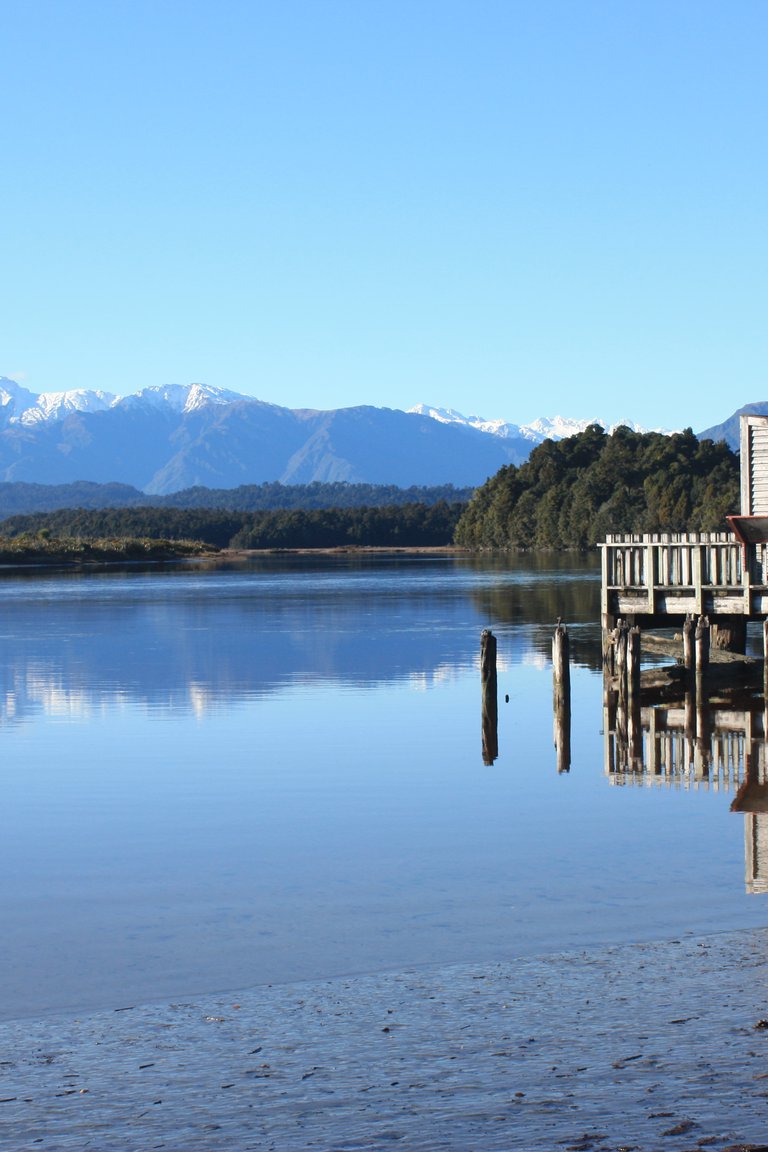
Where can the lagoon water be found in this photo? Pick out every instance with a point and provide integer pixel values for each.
(222, 775)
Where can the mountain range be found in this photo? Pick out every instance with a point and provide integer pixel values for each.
(161, 440)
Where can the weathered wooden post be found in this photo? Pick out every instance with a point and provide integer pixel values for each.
(620, 667)
(729, 633)
(634, 718)
(702, 647)
(765, 663)
(689, 628)
(620, 636)
(703, 735)
(490, 709)
(633, 662)
(561, 684)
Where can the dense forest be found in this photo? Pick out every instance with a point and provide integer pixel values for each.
(407, 525)
(570, 493)
(20, 498)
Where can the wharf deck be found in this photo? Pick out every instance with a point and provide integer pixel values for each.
(658, 579)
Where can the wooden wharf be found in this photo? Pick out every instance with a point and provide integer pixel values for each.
(706, 584)
(657, 580)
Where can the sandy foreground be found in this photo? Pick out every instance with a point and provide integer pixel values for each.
(645, 1046)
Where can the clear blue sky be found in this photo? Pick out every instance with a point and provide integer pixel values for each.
(511, 208)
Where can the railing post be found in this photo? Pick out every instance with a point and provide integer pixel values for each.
(697, 590)
(651, 566)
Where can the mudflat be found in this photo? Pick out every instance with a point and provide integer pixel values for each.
(644, 1046)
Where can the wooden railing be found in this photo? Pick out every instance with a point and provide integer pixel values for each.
(673, 573)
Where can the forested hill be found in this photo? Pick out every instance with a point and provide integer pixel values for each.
(571, 492)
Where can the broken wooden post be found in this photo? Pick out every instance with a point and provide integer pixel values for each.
(561, 706)
(490, 710)
(729, 632)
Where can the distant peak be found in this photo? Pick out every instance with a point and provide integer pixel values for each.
(180, 397)
(545, 428)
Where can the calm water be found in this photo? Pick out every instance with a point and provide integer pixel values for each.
(216, 777)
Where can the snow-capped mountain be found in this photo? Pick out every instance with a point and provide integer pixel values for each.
(179, 397)
(20, 406)
(545, 428)
(163, 439)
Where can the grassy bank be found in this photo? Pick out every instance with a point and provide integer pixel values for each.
(44, 549)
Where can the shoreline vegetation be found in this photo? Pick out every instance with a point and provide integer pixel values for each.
(57, 551)
(63, 552)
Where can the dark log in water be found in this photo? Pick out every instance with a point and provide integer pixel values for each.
(490, 709)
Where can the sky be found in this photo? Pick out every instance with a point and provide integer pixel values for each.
(514, 208)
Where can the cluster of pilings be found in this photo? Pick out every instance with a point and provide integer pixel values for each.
(622, 687)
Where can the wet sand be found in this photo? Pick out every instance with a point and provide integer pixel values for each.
(646, 1046)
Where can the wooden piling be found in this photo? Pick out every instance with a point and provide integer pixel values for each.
(490, 707)
(702, 647)
(689, 658)
(620, 661)
(765, 663)
(729, 632)
(633, 662)
(561, 686)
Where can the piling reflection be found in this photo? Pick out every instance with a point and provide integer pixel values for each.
(693, 743)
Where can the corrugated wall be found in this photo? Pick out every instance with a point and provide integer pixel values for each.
(754, 466)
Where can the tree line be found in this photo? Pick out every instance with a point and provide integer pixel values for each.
(407, 525)
(570, 493)
(22, 498)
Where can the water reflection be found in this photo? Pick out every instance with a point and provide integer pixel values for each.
(197, 637)
(266, 772)
(698, 742)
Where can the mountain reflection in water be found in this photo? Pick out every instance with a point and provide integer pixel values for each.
(190, 638)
